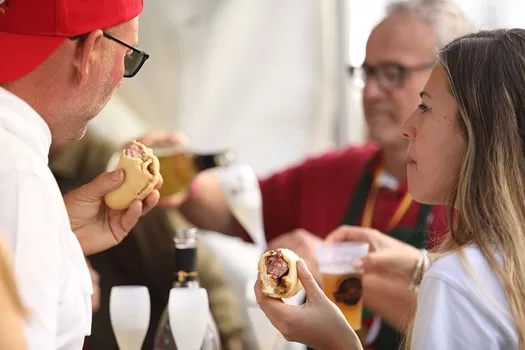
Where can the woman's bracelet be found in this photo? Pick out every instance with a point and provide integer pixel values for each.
(421, 267)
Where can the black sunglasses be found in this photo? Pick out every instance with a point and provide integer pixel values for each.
(132, 63)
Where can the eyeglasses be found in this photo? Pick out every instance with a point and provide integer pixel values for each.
(388, 75)
(132, 62)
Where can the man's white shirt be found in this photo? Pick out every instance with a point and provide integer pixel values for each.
(50, 268)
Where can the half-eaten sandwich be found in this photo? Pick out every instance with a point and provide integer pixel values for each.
(142, 171)
(278, 273)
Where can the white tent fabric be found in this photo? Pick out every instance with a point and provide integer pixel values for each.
(258, 76)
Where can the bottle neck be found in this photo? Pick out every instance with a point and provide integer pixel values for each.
(207, 161)
(187, 284)
(186, 275)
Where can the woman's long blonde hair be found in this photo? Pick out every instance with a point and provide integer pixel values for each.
(486, 76)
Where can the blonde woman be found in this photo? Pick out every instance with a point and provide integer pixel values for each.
(466, 150)
(11, 308)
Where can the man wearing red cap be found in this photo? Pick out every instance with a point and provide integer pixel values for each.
(63, 60)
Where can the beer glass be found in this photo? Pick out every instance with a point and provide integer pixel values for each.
(341, 282)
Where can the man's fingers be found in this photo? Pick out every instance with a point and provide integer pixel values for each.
(103, 184)
(123, 221)
(352, 233)
(150, 201)
(159, 183)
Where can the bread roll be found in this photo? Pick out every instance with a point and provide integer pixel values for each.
(142, 171)
(278, 273)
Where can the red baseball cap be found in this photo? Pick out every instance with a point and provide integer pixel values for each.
(31, 30)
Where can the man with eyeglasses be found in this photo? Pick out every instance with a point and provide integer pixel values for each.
(61, 63)
(134, 59)
(362, 186)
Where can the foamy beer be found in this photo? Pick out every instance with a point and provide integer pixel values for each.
(341, 282)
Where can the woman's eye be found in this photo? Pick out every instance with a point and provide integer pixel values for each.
(423, 108)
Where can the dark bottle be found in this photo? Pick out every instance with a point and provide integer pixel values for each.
(186, 276)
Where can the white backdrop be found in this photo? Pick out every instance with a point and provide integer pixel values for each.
(253, 75)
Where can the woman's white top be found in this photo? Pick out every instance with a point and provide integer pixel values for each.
(50, 268)
(461, 309)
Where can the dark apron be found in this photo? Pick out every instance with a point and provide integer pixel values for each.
(388, 338)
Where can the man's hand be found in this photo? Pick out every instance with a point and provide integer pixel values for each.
(96, 226)
(303, 243)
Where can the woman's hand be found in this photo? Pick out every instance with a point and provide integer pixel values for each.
(96, 226)
(318, 323)
(387, 255)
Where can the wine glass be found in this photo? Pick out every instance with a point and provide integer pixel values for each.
(188, 312)
(129, 313)
(243, 194)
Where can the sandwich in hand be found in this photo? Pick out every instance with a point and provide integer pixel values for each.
(278, 273)
(142, 171)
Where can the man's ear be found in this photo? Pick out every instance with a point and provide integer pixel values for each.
(88, 50)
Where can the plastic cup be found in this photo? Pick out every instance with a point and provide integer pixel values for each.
(341, 282)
